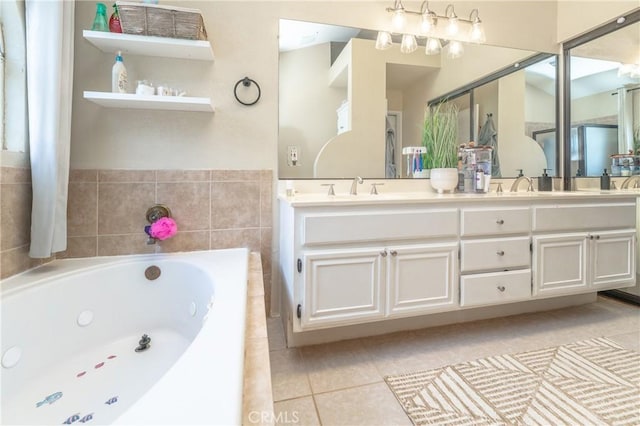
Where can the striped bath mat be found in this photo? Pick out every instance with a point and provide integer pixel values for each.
(591, 382)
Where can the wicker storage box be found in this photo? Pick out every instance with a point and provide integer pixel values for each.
(161, 21)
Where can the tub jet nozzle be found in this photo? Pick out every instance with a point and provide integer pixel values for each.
(144, 343)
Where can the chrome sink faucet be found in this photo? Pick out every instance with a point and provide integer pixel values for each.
(628, 180)
(354, 185)
(514, 186)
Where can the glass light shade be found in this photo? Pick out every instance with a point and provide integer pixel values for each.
(383, 41)
(428, 23)
(477, 33)
(452, 26)
(455, 49)
(433, 46)
(399, 20)
(409, 43)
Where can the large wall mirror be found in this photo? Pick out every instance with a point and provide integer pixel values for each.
(602, 99)
(517, 106)
(347, 109)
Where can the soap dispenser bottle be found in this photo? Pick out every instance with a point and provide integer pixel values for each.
(605, 180)
(545, 183)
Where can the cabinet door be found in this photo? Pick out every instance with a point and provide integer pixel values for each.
(342, 287)
(613, 259)
(560, 264)
(422, 278)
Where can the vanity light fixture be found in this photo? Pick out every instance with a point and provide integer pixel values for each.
(452, 21)
(409, 43)
(477, 31)
(433, 46)
(383, 41)
(455, 49)
(432, 27)
(399, 20)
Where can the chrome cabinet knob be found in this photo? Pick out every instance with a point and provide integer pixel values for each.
(500, 221)
(394, 253)
(501, 288)
(500, 252)
(383, 253)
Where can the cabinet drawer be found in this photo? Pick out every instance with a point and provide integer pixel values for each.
(389, 225)
(496, 253)
(495, 288)
(495, 221)
(584, 217)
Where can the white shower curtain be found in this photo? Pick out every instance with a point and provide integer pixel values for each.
(49, 25)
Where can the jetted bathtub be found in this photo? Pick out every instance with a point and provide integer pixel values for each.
(70, 330)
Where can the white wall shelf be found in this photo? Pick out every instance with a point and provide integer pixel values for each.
(170, 103)
(150, 46)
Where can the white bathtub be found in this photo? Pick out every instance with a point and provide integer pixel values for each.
(69, 330)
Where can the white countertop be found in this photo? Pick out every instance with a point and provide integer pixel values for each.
(390, 198)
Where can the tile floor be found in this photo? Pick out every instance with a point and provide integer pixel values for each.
(342, 383)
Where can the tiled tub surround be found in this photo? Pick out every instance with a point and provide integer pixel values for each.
(15, 221)
(214, 209)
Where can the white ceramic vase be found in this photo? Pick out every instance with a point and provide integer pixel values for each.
(444, 179)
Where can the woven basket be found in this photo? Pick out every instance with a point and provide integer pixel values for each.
(161, 21)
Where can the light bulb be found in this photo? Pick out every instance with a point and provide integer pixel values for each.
(477, 32)
(452, 27)
(455, 49)
(433, 46)
(409, 43)
(399, 20)
(383, 41)
(427, 23)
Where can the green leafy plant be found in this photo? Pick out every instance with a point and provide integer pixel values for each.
(440, 135)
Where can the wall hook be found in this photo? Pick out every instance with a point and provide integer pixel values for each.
(246, 82)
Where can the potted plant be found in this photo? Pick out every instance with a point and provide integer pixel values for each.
(440, 139)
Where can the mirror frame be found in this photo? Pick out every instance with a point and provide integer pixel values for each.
(630, 18)
(515, 67)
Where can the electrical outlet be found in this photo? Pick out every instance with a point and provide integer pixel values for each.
(293, 156)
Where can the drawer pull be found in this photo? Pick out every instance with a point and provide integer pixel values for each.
(500, 222)
(500, 252)
(501, 288)
(383, 253)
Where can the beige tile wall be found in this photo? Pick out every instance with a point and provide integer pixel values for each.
(15, 221)
(213, 209)
(106, 213)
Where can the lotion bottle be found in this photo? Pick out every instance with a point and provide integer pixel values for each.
(119, 75)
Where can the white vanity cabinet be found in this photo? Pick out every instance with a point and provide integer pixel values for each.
(579, 248)
(355, 265)
(495, 258)
(360, 265)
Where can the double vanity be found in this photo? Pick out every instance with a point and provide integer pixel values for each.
(355, 265)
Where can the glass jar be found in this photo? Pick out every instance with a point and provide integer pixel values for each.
(476, 168)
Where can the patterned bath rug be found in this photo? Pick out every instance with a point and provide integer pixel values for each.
(591, 382)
